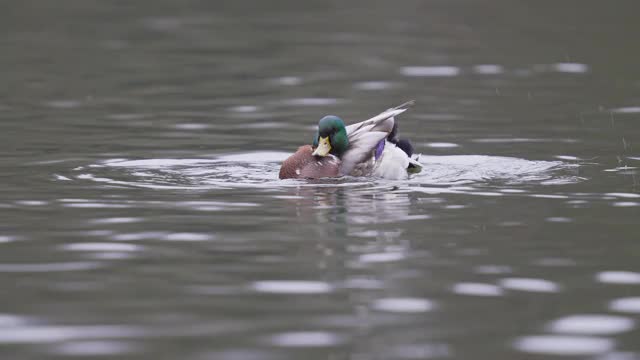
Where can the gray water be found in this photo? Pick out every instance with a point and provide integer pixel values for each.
(141, 216)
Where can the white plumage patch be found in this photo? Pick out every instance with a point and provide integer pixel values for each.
(392, 164)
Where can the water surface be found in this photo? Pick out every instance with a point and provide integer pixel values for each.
(141, 216)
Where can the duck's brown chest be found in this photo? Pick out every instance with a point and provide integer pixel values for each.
(303, 165)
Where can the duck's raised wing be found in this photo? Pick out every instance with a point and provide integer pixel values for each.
(365, 135)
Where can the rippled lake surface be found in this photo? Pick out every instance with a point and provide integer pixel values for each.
(141, 216)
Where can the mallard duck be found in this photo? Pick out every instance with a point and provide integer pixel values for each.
(368, 148)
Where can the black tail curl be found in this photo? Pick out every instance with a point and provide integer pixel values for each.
(403, 144)
(406, 146)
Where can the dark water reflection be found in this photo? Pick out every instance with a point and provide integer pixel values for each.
(142, 218)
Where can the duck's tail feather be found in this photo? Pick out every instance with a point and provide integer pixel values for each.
(405, 145)
(414, 165)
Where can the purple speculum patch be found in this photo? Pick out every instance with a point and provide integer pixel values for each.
(379, 148)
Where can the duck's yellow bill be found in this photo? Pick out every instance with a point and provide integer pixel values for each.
(324, 147)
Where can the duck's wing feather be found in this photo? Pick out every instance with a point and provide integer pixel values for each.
(378, 122)
(365, 135)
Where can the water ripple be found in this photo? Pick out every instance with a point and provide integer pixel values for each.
(291, 287)
(109, 247)
(6, 239)
(592, 324)
(528, 284)
(306, 339)
(94, 348)
(564, 345)
(260, 170)
(403, 305)
(430, 71)
(53, 333)
(48, 267)
(626, 305)
(477, 289)
(618, 277)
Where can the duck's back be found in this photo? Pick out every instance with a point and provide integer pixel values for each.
(303, 165)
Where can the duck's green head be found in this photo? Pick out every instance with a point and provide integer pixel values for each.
(331, 137)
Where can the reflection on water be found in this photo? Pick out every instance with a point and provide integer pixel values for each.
(142, 217)
(564, 345)
(592, 324)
